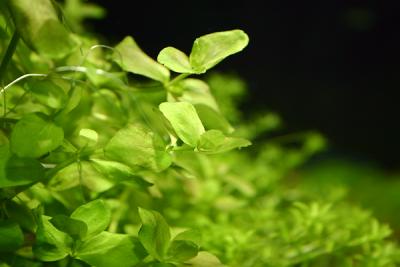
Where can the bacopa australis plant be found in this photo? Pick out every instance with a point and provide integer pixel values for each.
(111, 158)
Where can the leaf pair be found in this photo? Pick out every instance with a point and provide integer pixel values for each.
(155, 237)
(207, 51)
(189, 128)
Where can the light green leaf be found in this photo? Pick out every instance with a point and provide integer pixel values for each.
(185, 121)
(175, 60)
(131, 58)
(119, 172)
(95, 214)
(208, 50)
(51, 244)
(138, 147)
(16, 171)
(182, 250)
(154, 234)
(38, 24)
(196, 91)
(110, 250)
(75, 228)
(11, 236)
(204, 259)
(48, 93)
(214, 141)
(34, 136)
(88, 138)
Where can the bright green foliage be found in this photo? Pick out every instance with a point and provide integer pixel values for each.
(101, 168)
(207, 51)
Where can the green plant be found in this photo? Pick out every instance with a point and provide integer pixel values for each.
(107, 160)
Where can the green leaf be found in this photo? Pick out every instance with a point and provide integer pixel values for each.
(214, 141)
(131, 58)
(95, 214)
(48, 93)
(212, 119)
(110, 250)
(175, 60)
(204, 259)
(185, 121)
(38, 24)
(51, 244)
(154, 234)
(11, 236)
(15, 171)
(119, 172)
(208, 50)
(75, 228)
(138, 147)
(182, 250)
(34, 136)
(87, 138)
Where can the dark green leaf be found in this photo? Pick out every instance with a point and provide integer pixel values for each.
(34, 136)
(138, 147)
(75, 228)
(110, 250)
(48, 93)
(11, 236)
(51, 244)
(16, 171)
(95, 214)
(210, 49)
(131, 58)
(185, 121)
(154, 234)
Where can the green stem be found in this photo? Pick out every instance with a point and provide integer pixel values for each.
(8, 55)
(178, 78)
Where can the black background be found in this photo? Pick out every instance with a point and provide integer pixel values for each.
(332, 66)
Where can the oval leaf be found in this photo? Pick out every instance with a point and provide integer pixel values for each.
(214, 141)
(34, 136)
(95, 214)
(175, 60)
(208, 50)
(185, 121)
(131, 58)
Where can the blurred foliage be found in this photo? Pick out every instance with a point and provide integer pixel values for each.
(108, 159)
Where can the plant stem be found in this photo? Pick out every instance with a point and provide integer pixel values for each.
(9, 53)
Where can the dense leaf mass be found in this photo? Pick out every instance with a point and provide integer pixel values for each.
(111, 158)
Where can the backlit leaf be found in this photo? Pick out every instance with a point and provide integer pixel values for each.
(185, 121)
(175, 60)
(208, 50)
(131, 58)
(34, 136)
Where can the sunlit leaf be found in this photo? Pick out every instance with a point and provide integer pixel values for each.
(208, 50)
(154, 234)
(214, 141)
(138, 147)
(185, 121)
(175, 60)
(110, 250)
(95, 214)
(34, 136)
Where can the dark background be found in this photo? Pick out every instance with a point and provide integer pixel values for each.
(329, 65)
